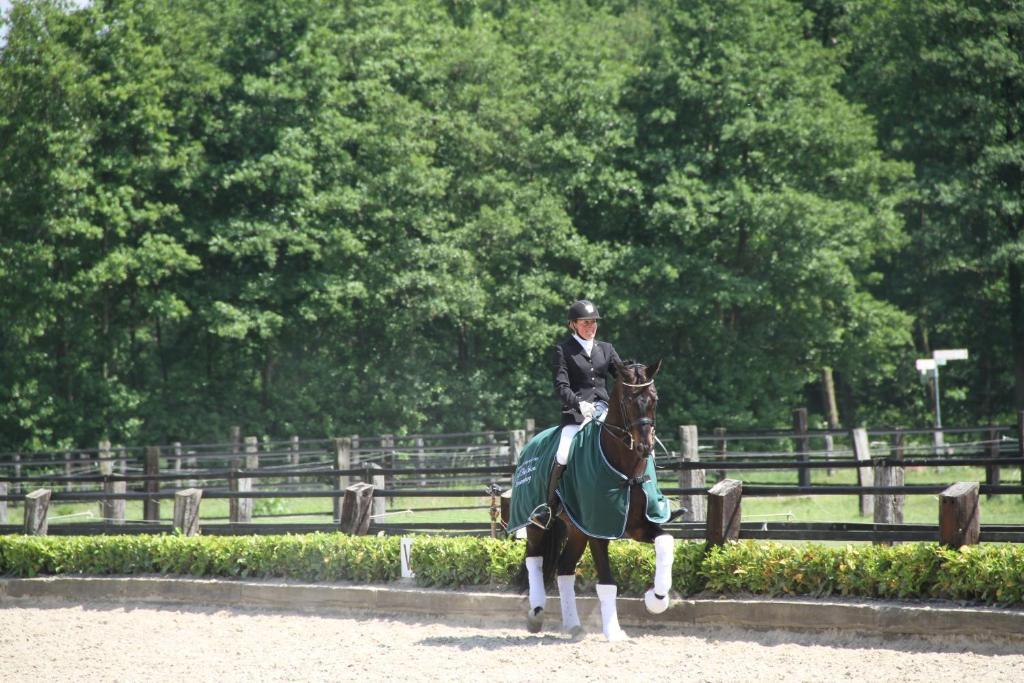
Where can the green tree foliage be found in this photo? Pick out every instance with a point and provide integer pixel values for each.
(765, 207)
(946, 83)
(304, 216)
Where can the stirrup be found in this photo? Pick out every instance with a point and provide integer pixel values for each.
(538, 512)
(678, 512)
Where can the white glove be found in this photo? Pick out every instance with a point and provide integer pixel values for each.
(586, 409)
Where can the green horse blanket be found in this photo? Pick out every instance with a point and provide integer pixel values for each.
(591, 490)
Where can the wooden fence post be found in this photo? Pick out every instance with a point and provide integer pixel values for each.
(531, 428)
(492, 451)
(721, 447)
(356, 509)
(862, 453)
(724, 512)
(832, 412)
(293, 458)
(695, 504)
(252, 462)
(342, 461)
(899, 499)
(151, 506)
(1020, 443)
(111, 510)
(236, 439)
(3, 503)
(176, 447)
(959, 515)
(516, 441)
(37, 505)
(67, 470)
(421, 460)
(186, 511)
(387, 444)
(192, 463)
(16, 489)
(240, 509)
(889, 472)
(830, 452)
(992, 472)
(800, 441)
(379, 503)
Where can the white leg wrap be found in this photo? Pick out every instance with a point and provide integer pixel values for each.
(567, 594)
(535, 572)
(664, 547)
(609, 612)
(664, 552)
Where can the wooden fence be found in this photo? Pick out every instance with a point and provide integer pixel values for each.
(356, 477)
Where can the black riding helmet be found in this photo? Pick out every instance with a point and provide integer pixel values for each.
(583, 310)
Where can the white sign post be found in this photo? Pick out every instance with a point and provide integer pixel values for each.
(931, 365)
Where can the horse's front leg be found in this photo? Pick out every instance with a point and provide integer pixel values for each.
(607, 591)
(656, 599)
(570, 557)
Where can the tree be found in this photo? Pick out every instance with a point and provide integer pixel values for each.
(766, 206)
(946, 83)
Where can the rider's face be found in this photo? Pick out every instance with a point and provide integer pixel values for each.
(585, 329)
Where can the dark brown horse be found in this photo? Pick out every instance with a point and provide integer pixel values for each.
(627, 439)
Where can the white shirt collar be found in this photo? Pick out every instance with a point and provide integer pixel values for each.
(587, 345)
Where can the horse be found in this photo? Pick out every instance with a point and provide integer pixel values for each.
(627, 439)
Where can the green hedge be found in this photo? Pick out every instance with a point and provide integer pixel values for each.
(986, 573)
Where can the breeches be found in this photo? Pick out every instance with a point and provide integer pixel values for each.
(569, 431)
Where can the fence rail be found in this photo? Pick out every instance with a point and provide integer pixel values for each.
(480, 465)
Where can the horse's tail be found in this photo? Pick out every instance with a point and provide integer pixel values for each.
(550, 548)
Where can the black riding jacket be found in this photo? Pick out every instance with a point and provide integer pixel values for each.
(579, 377)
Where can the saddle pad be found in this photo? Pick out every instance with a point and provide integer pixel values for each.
(591, 489)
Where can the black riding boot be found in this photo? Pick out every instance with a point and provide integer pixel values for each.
(545, 514)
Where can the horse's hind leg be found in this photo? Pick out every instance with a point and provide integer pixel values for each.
(607, 591)
(535, 574)
(571, 554)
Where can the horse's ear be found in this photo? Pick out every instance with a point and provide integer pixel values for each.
(652, 370)
(620, 369)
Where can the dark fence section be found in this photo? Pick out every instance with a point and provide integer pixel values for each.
(252, 473)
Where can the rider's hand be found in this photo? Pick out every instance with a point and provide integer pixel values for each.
(586, 409)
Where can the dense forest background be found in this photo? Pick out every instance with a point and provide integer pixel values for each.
(323, 217)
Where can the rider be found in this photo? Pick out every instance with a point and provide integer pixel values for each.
(581, 366)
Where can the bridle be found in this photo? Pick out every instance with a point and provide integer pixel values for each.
(621, 433)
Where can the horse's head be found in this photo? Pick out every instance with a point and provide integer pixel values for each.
(634, 402)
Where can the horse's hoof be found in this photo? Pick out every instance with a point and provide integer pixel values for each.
(655, 604)
(535, 620)
(616, 636)
(576, 632)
